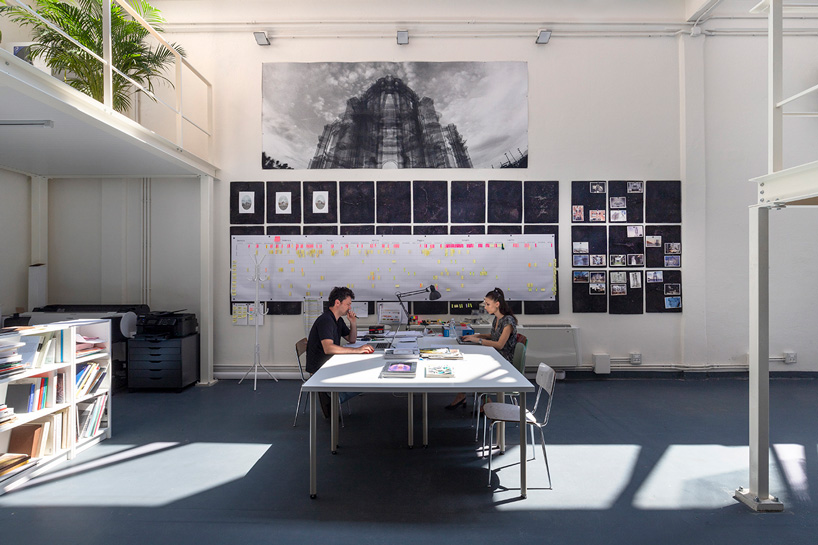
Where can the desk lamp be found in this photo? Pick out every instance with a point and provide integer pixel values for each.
(434, 295)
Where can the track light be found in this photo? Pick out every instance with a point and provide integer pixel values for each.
(403, 37)
(261, 38)
(45, 123)
(543, 36)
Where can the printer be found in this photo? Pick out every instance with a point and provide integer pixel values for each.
(166, 324)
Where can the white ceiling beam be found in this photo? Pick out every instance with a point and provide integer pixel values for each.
(695, 9)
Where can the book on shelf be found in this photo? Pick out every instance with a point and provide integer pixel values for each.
(11, 461)
(400, 369)
(90, 415)
(60, 390)
(30, 349)
(20, 396)
(441, 353)
(439, 371)
(26, 439)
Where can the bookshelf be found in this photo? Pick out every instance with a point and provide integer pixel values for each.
(61, 396)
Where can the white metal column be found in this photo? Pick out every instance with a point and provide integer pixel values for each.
(39, 219)
(206, 281)
(758, 496)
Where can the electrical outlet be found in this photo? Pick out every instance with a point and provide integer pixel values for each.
(636, 358)
(790, 357)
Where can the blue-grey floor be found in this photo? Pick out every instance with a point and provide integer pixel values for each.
(632, 461)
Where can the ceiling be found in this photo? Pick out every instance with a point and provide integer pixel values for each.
(86, 140)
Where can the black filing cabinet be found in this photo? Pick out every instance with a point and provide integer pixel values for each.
(163, 362)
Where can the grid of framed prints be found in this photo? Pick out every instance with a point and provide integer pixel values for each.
(626, 239)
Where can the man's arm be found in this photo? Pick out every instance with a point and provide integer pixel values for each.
(331, 348)
(353, 327)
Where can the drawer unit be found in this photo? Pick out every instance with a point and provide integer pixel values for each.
(163, 363)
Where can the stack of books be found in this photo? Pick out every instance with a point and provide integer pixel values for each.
(11, 361)
(441, 353)
(88, 345)
(399, 369)
(11, 463)
(439, 371)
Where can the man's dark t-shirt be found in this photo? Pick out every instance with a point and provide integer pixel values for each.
(325, 327)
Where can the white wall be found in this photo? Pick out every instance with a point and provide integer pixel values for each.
(15, 242)
(613, 107)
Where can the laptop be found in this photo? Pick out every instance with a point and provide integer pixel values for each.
(460, 340)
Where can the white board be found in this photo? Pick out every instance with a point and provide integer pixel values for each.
(377, 267)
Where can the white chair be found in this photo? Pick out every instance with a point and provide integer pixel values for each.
(508, 412)
(300, 349)
(519, 364)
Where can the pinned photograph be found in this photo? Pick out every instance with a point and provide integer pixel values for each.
(581, 260)
(597, 278)
(635, 231)
(580, 247)
(597, 187)
(247, 202)
(673, 261)
(618, 202)
(673, 302)
(619, 215)
(597, 215)
(635, 187)
(581, 277)
(597, 260)
(284, 200)
(577, 213)
(320, 202)
(619, 289)
(653, 277)
(636, 260)
(597, 289)
(653, 241)
(635, 279)
(673, 247)
(673, 289)
(618, 260)
(618, 277)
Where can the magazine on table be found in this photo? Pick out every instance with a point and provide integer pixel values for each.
(400, 369)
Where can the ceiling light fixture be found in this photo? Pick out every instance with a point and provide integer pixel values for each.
(543, 36)
(27, 123)
(403, 37)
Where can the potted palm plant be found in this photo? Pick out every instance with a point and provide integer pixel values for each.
(82, 20)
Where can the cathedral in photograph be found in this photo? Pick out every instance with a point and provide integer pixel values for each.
(389, 126)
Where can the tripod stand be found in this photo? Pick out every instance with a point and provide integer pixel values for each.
(257, 318)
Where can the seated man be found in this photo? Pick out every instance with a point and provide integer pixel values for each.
(325, 338)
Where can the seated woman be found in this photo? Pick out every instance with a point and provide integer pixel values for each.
(503, 335)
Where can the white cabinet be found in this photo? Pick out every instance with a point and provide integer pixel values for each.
(63, 403)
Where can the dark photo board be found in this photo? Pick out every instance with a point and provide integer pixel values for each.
(663, 202)
(468, 202)
(664, 296)
(357, 202)
(246, 203)
(583, 300)
(316, 208)
(626, 192)
(505, 201)
(627, 297)
(430, 200)
(596, 238)
(284, 202)
(394, 202)
(621, 243)
(541, 202)
(655, 255)
(591, 196)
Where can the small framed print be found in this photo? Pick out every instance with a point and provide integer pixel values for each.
(673, 261)
(320, 202)
(618, 260)
(247, 202)
(596, 289)
(597, 187)
(598, 277)
(597, 260)
(580, 247)
(284, 202)
(653, 241)
(653, 277)
(635, 187)
(619, 289)
(581, 277)
(635, 279)
(636, 260)
(673, 302)
(673, 289)
(618, 202)
(578, 212)
(635, 231)
(619, 215)
(673, 247)
(618, 277)
(581, 260)
(597, 215)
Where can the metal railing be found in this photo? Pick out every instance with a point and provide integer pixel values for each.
(108, 69)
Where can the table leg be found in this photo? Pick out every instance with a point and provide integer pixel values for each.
(425, 420)
(501, 426)
(411, 411)
(313, 444)
(523, 488)
(333, 417)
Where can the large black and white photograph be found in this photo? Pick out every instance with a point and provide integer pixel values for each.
(394, 115)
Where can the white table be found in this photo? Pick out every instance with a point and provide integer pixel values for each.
(482, 369)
